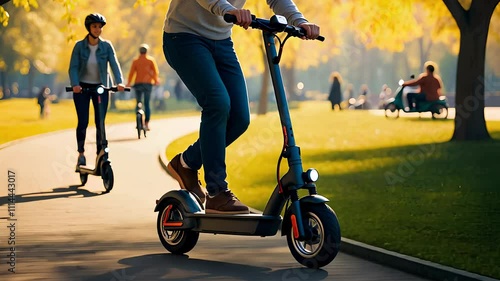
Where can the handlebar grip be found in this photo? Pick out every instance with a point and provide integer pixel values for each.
(114, 89)
(230, 18)
(319, 38)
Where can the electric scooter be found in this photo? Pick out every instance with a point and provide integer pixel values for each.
(310, 225)
(438, 108)
(102, 166)
(140, 120)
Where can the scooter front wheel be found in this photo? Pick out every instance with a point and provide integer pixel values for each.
(322, 242)
(107, 176)
(439, 111)
(391, 110)
(175, 241)
(84, 178)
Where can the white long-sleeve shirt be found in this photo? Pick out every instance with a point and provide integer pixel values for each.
(205, 17)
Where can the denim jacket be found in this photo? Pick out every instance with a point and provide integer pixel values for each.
(105, 53)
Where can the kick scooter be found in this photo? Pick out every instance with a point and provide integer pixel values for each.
(102, 166)
(310, 225)
(140, 120)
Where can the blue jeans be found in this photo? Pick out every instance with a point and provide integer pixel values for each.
(211, 71)
(140, 90)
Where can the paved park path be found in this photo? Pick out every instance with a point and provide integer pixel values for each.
(66, 232)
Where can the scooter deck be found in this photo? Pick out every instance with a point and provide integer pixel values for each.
(85, 170)
(242, 224)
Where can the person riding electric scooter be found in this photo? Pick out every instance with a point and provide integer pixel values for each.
(310, 225)
(429, 99)
(102, 166)
(88, 71)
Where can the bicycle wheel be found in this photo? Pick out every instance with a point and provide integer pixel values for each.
(138, 120)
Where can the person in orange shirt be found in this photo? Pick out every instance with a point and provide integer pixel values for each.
(430, 84)
(145, 71)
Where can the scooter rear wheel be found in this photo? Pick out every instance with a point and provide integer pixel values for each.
(391, 110)
(322, 241)
(439, 111)
(175, 241)
(107, 176)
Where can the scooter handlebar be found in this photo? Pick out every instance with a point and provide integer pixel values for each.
(113, 89)
(268, 25)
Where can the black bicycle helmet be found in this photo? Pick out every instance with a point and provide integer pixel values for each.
(143, 48)
(94, 18)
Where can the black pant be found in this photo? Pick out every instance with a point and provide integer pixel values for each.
(82, 101)
(413, 98)
(42, 109)
(140, 90)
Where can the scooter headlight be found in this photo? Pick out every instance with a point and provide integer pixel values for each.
(100, 90)
(311, 175)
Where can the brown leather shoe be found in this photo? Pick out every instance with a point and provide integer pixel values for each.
(187, 178)
(225, 203)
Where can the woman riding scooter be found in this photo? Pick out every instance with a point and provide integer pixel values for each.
(89, 69)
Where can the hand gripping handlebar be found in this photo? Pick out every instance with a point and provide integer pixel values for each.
(275, 24)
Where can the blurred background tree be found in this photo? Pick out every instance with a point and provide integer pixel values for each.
(369, 42)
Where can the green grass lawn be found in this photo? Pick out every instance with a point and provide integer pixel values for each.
(396, 184)
(19, 117)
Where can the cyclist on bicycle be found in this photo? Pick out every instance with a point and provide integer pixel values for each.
(88, 69)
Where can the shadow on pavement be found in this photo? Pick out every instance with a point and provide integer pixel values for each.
(181, 267)
(58, 192)
(117, 140)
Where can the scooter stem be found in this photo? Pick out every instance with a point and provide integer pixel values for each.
(292, 152)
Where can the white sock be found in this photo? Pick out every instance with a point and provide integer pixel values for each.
(184, 165)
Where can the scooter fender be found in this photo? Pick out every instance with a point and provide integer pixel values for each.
(100, 165)
(310, 199)
(388, 101)
(190, 203)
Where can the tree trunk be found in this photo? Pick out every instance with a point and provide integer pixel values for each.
(404, 65)
(31, 80)
(289, 80)
(473, 24)
(421, 44)
(469, 121)
(3, 85)
(263, 97)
